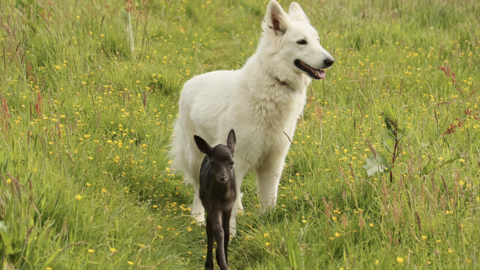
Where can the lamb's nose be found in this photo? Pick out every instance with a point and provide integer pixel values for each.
(222, 178)
(329, 62)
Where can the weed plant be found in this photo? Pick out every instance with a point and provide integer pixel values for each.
(383, 171)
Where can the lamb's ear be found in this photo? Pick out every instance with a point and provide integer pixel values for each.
(231, 140)
(276, 18)
(202, 145)
(296, 13)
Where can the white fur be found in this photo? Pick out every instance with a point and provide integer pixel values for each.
(254, 103)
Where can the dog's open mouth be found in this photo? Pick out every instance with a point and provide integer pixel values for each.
(316, 74)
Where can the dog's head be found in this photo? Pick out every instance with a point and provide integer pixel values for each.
(293, 38)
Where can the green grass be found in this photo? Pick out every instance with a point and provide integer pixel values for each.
(85, 125)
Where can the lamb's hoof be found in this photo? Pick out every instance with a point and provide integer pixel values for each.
(209, 265)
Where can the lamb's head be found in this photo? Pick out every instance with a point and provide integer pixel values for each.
(220, 156)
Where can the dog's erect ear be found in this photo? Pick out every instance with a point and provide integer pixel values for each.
(231, 140)
(276, 18)
(296, 13)
(202, 145)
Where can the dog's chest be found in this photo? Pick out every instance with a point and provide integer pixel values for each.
(277, 106)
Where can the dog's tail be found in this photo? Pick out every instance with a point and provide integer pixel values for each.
(185, 155)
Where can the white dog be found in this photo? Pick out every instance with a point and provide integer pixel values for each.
(262, 102)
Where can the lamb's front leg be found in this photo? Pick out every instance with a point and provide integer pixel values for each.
(226, 230)
(220, 238)
(268, 177)
(210, 243)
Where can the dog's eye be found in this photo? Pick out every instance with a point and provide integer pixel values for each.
(302, 42)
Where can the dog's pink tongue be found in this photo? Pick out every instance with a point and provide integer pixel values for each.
(320, 74)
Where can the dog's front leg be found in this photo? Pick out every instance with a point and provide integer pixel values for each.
(268, 177)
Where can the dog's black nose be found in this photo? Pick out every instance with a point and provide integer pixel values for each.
(328, 62)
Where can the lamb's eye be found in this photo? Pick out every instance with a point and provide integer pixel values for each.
(302, 42)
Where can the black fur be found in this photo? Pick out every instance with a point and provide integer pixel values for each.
(218, 193)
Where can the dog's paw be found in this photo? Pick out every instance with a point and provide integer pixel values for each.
(239, 204)
(201, 223)
(199, 220)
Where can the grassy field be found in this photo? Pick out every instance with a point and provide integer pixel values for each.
(383, 171)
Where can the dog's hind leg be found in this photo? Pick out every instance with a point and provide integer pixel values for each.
(187, 158)
(239, 201)
(190, 165)
(237, 207)
(197, 207)
(192, 177)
